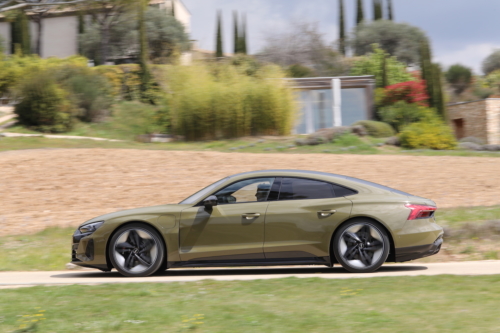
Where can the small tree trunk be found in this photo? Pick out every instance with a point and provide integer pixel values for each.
(104, 43)
(39, 26)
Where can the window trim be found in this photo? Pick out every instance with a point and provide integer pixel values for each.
(318, 180)
(237, 181)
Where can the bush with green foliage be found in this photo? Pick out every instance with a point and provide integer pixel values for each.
(376, 129)
(373, 64)
(399, 40)
(429, 133)
(492, 62)
(401, 114)
(219, 100)
(459, 77)
(44, 106)
(299, 71)
(90, 91)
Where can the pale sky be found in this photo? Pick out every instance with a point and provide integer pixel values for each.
(461, 31)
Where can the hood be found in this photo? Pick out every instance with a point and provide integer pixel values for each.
(161, 209)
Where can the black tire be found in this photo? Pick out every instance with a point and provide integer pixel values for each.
(361, 246)
(136, 250)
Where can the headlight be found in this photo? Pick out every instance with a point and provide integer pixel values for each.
(91, 227)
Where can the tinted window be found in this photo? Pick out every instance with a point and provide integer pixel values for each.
(248, 190)
(341, 191)
(299, 188)
(202, 193)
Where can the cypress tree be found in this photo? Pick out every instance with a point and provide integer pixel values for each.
(172, 9)
(236, 33)
(385, 79)
(341, 28)
(143, 55)
(244, 35)
(360, 15)
(426, 69)
(81, 23)
(389, 10)
(20, 34)
(219, 50)
(439, 102)
(377, 10)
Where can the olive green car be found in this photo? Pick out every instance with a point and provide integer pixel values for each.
(270, 217)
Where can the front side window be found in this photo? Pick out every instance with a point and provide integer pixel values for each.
(249, 190)
(299, 188)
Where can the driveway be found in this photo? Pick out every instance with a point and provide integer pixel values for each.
(24, 279)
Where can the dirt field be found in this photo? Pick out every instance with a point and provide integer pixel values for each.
(40, 188)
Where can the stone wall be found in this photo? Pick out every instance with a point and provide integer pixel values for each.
(493, 120)
(474, 118)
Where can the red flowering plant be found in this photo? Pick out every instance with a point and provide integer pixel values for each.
(412, 92)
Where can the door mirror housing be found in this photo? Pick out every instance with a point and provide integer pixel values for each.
(210, 202)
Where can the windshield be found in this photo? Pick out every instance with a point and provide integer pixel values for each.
(203, 193)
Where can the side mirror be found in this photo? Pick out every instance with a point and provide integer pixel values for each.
(210, 202)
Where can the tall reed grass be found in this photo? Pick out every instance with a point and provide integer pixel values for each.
(219, 100)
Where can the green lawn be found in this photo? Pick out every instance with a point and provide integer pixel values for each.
(389, 304)
(454, 217)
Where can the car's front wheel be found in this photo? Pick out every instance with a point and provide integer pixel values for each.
(136, 250)
(361, 246)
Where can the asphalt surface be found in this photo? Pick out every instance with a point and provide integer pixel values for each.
(24, 279)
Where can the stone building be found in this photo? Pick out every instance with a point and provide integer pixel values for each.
(480, 119)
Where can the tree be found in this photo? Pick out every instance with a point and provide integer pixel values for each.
(398, 39)
(165, 36)
(439, 99)
(492, 62)
(20, 34)
(341, 28)
(244, 35)
(219, 50)
(360, 15)
(459, 77)
(143, 43)
(377, 10)
(301, 43)
(236, 34)
(390, 15)
(373, 64)
(432, 75)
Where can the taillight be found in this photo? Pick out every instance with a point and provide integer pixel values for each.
(420, 211)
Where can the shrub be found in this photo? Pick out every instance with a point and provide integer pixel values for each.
(373, 64)
(125, 80)
(409, 92)
(402, 114)
(90, 91)
(210, 101)
(460, 78)
(430, 133)
(44, 106)
(376, 129)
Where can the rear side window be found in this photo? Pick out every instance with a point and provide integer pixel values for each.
(299, 188)
(341, 191)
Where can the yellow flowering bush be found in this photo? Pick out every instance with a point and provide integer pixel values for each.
(430, 133)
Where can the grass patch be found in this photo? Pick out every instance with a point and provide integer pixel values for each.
(47, 250)
(455, 217)
(390, 304)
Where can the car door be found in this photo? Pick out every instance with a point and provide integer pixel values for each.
(301, 222)
(232, 230)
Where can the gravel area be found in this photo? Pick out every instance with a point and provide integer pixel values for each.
(65, 187)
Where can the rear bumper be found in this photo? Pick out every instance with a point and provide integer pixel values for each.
(416, 252)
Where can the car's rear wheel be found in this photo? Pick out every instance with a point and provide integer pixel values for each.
(136, 250)
(361, 246)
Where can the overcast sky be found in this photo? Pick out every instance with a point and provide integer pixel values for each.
(461, 31)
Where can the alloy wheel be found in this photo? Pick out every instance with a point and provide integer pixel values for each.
(135, 250)
(361, 246)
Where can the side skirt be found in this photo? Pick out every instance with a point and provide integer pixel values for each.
(255, 262)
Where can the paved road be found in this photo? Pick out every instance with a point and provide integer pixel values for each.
(19, 279)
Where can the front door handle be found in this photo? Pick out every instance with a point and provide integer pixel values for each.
(326, 213)
(250, 216)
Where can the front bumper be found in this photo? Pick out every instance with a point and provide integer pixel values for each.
(83, 251)
(421, 251)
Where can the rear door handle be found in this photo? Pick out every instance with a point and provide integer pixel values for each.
(326, 213)
(250, 216)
